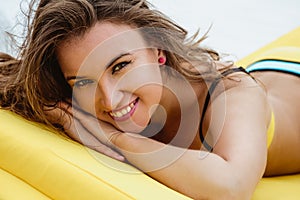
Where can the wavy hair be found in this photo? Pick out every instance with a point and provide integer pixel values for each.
(36, 81)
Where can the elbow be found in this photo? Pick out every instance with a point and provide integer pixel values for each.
(237, 184)
(236, 191)
(233, 189)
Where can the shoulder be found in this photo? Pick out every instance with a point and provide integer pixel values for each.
(234, 79)
(238, 104)
(240, 88)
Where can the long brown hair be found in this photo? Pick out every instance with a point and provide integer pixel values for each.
(39, 80)
(12, 96)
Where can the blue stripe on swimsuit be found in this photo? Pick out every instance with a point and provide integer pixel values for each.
(275, 65)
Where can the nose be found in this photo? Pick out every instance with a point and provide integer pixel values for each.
(108, 95)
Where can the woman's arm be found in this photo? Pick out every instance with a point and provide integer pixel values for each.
(232, 171)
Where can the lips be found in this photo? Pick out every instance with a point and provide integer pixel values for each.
(125, 112)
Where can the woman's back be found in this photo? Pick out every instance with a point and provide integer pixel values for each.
(283, 96)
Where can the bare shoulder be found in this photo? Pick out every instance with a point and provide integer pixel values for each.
(239, 111)
(236, 123)
(237, 80)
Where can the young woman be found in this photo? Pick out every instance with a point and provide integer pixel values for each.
(133, 82)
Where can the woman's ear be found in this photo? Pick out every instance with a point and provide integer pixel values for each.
(161, 57)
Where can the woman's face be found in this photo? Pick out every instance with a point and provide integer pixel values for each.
(114, 75)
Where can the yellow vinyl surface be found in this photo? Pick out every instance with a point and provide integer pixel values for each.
(55, 167)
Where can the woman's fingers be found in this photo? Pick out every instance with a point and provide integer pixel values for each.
(79, 133)
(81, 127)
(101, 130)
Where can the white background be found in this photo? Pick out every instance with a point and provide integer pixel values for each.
(239, 27)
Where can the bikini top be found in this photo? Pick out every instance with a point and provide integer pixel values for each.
(207, 100)
(271, 127)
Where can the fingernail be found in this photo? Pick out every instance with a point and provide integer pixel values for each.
(121, 158)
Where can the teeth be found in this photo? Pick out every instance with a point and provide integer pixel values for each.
(119, 114)
(123, 112)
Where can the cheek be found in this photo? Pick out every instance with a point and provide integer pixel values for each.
(149, 98)
(151, 92)
(85, 98)
(141, 76)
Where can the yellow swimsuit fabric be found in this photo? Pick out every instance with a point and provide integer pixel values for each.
(271, 129)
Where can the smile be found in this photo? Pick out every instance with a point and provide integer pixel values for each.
(125, 112)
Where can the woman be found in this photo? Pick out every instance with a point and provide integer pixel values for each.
(170, 107)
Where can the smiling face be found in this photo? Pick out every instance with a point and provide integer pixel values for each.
(114, 75)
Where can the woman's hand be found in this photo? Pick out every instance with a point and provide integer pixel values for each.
(86, 129)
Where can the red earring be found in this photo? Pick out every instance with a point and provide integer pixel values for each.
(161, 60)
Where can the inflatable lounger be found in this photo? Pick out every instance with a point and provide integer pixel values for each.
(36, 163)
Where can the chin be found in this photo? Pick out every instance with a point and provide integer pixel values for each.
(135, 129)
(132, 127)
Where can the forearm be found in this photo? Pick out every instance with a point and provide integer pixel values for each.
(186, 171)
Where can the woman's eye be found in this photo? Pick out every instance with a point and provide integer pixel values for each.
(119, 66)
(82, 83)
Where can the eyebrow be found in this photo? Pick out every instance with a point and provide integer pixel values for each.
(116, 58)
(68, 78)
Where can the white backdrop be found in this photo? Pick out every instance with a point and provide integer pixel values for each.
(239, 27)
